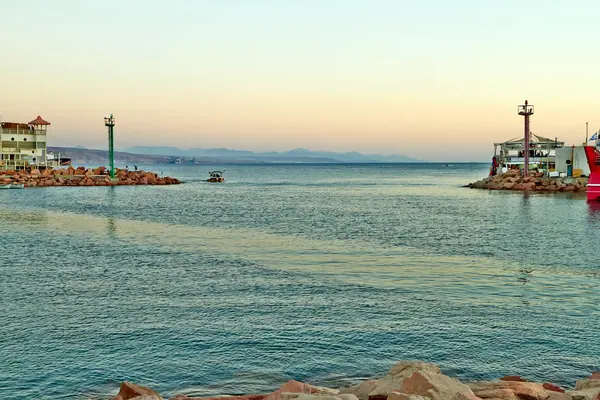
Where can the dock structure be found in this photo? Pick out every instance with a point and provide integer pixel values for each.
(24, 145)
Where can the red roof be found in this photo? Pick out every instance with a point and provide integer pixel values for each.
(39, 121)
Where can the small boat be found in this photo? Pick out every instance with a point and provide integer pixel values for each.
(17, 185)
(215, 176)
(7, 186)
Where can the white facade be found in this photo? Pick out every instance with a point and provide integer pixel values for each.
(577, 158)
(23, 145)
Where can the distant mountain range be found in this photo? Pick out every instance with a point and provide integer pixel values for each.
(296, 155)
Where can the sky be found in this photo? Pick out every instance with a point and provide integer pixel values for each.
(432, 79)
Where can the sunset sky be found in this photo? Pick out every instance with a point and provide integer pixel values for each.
(432, 79)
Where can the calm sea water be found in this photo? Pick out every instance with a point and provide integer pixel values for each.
(326, 274)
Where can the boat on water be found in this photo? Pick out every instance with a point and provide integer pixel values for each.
(12, 186)
(216, 176)
(593, 158)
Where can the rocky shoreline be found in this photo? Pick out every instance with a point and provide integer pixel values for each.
(406, 380)
(536, 182)
(82, 176)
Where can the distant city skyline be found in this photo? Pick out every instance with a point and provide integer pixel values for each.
(433, 80)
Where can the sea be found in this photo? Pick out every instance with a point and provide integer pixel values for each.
(326, 273)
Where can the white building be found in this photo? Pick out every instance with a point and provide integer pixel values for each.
(24, 145)
(542, 153)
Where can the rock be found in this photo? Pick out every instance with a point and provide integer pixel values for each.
(591, 382)
(552, 387)
(79, 172)
(361, 390)
(508, 185)
(244, 397)
(569, 188)
(403, 396)
(395, 378)
(289, 387)
(505, 394)
(513, 378)
(436, 386)
(304, 396)
(509, 390)
(585, 394)
(129, 391)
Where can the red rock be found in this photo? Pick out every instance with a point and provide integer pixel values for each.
(569, 188)
(10, 172)
(35, 171)
(512, 378)
(595, 375)
(79, 172)
(81, 168)
(129, 391)
(552, 387)
(245, 397)
(49, 182)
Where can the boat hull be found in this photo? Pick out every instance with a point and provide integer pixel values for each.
(593, 187)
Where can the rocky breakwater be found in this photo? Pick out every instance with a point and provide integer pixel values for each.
(82, 176)
(536, 182)
(407, 380)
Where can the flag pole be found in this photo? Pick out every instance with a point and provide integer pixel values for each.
(586, 133)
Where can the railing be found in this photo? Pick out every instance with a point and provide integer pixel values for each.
(532, 160)
(12, 131)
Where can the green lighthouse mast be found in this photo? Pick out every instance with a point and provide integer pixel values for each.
(110, 122)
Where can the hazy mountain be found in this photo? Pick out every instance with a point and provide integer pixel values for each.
(291, 155)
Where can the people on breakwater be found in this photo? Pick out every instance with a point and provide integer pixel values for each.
(82, 176)
(512, 180)
(406, 380)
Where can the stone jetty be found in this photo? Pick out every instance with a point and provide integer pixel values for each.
(407, 380)
(82, 176)
(536, 182)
